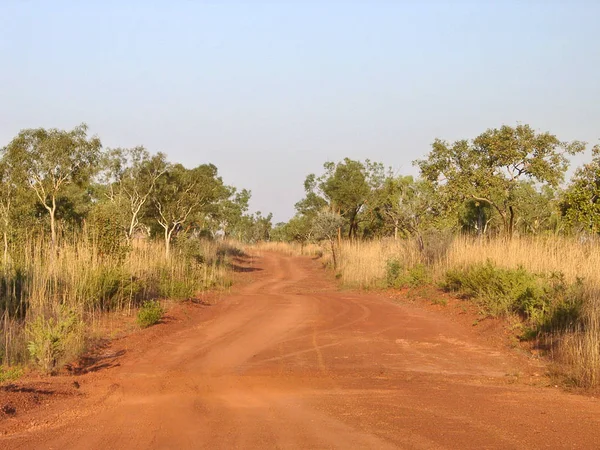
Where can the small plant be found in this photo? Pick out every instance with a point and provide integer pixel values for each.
(51, 339)
(150, 313)
(398, 276)
(545, 302)
(10, 373)
(439, 301)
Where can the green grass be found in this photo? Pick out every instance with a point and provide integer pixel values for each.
(545, 302)
(10, 373)
(398, 276)
(150, 313)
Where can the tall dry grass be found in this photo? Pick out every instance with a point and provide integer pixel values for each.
(51, 300)
(363, 264)
(579, 347)
(573, 257)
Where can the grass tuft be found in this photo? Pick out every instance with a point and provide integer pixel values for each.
(150, 313)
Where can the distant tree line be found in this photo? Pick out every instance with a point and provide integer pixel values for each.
(54, 182)
(506, 181)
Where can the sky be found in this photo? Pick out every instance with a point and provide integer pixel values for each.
(268, 91)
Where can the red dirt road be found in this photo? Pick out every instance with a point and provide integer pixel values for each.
(287, 361)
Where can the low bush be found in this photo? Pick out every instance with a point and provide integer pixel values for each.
(150, 313)
(398, 276)
(545, 302)
(10, 373)
(54, 339)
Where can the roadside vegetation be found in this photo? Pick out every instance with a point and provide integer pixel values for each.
(489, 219)
(87, 231)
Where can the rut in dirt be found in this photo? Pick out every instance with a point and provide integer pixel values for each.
(288, 361)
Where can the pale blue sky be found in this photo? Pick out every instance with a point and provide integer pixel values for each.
(268, 91)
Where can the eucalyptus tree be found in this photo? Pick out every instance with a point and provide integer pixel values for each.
(231, 210)
(489, 168)
(325, 227)
(393, 199)
(8, 188)
(130, 177)
(180, 193)
(51, 160)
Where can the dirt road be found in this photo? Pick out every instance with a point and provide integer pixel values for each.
(288, 361)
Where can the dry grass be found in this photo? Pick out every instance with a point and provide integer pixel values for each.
(51, 301)
(363, 264)
(575, 258)
(579, 347)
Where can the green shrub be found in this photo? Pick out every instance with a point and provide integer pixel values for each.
(546, 302)
(176, 285)
(53, 339)
(109, 287)
(10, 373)
(397, 276)
(150, 313)
(106, 232)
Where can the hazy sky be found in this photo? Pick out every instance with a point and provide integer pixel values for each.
(268, 91)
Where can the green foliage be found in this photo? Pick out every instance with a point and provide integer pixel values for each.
(51, 162)
(345, 188)
(580, 204)
(489, 168)
(398, 276)
(51, 339)
(181, 194)
(10, 373)
(108, 288)
(107, 233)
(182, 288)
(545, 302)
(150, 313)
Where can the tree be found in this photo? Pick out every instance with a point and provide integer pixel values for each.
(413, 208)
(232, 210)
(580, 204)
(51, 160)
(298, 229)
(392, 200)
(489, 168)
(182, 192)
(345, 188)
(261, 227)
(325, 227)
(130, 177)
(8, 187)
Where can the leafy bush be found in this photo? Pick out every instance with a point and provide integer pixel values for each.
(547, 302)
(177, 285)
(10, 373)
(106, 232)
(108, 287)
(51, 339)
(150, 313)
(397, 276)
